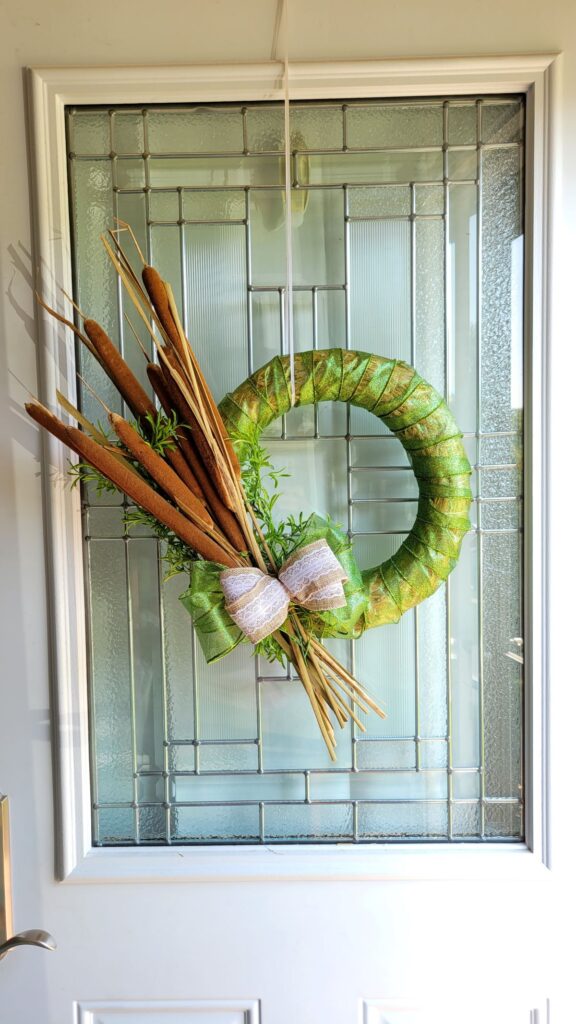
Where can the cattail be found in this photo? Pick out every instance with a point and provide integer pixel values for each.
(132, 485)
(158, 296)
(161, 473)
(187, 416)
(169, 397)
(119, 372)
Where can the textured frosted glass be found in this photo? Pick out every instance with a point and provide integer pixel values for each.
(310, 128)
(216, 288)
(433, 697)
(386, 754)
(502, 676)
(429, 200)
(110, 670)
(165, 255)
(105, 522)
(215, 824)
(227, 696)
(501, 306)
(466, 819)
(143, 581)
(403, 819)
(115, 825)
(90, 133)
(379, 298)
(218, 205)
(384, 201)
(202, 130)
(396, 126)
(229, 757)
(178, 662)
(503, 820)
(462, 120)
(127, 133)
(429, 301)
(388, 257)
(464, 657)
(462, 273)
(323, 821)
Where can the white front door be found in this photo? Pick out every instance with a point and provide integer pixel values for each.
(384, 934)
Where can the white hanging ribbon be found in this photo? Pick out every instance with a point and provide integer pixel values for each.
(288, 295)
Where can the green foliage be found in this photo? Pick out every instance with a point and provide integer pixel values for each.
(258, 472)
(160, 434)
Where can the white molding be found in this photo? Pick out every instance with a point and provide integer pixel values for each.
(378, 862)
(496, 1007)
(220, 1011)
(50, 91)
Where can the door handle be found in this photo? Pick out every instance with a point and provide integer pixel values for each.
(8, 941)
(32, 937)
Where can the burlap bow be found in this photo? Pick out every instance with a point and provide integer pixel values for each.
(311, 577)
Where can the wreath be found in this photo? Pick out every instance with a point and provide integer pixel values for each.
(195, 473)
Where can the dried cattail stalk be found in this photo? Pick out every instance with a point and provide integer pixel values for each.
(132, 485)
(157, 292)
(170, 399)
(119, 372)
(161, 473)
(211, 456)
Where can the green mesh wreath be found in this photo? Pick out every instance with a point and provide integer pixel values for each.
(420, 419)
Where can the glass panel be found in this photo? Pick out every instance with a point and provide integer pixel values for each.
(407, 240)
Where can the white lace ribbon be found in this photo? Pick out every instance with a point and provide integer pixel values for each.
(312, 577)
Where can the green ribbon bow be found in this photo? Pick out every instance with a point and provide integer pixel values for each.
(219, 635)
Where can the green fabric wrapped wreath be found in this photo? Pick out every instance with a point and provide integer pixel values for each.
(420, 419)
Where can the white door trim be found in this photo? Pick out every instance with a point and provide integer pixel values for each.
(50, 91)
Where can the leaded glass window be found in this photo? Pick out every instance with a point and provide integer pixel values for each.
(407, 238)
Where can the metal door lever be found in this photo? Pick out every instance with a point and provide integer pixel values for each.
(8, 941)
(32, 937)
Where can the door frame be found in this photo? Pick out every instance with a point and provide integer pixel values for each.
(50, 91)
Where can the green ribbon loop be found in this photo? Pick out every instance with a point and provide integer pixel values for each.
(219, 635)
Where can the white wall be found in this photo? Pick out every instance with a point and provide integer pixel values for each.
(35, 32)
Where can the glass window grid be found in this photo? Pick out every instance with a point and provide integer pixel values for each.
(465, 811)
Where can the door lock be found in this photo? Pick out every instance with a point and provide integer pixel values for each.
(8, 941)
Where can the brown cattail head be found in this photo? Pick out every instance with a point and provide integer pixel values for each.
(119, 372)
(159, 298)
(160, 472)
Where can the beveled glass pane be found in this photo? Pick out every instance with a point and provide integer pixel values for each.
(502, 122)
(375, 168)
(127, 132)
(462, 122)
